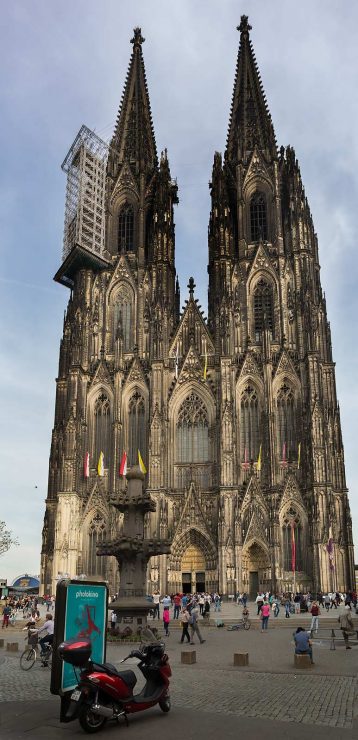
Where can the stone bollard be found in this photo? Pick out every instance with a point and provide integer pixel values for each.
(2, 643)
(12, 647)
(302, 661)
(188, 657)
(241, 659)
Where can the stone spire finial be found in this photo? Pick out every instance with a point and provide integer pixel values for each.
(244, 26)
(191, 286)
(137, 39)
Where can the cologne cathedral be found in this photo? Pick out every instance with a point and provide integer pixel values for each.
(235, 416)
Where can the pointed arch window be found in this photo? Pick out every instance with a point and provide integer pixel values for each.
(249, 424)
(126, 229)
(258, 217)
(101, 427)
(192, 431)
(286, 423)
(263, 308)
(123, 314)
(292, 520)
(96, 534)
(137, 435)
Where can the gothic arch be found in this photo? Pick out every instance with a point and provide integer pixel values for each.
(249, 406)
(99, 422)
(135, 421)
(179, 472)
(192, 536)
(122, 314)
(286, 395)
(293, 515)
(253, 187)
(121, 200)
(95, 529)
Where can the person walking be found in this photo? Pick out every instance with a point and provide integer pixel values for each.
(327, 602)
(259, 601)
(193, 625)
(185, 616)
(346, 624)
(156, 605)
(315, 613)
(265, 614)
(177, 602)
(287, 608)
(6, 616)
(166, 620)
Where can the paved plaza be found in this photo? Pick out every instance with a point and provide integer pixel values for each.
(266, 697)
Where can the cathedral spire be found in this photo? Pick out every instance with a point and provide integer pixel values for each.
(250, 120)
(133, 139)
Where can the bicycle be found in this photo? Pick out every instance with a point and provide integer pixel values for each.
(29, 656)
(245, 624)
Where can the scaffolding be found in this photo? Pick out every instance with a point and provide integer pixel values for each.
(85, 166)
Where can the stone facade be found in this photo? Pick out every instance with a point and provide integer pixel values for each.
(236, 417)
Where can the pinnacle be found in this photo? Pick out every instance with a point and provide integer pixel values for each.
(137, 39)
(250, 122)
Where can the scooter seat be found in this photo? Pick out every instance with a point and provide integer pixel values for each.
(129, 677)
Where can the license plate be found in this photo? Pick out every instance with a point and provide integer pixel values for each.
(75, 695)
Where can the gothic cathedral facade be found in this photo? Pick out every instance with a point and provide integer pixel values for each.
(236, 417)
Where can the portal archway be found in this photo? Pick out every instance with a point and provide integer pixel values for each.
(193, 568)
(256, 569)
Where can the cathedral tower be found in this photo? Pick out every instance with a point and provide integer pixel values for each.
(236, 418)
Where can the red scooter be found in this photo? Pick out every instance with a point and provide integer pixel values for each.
(105, 693)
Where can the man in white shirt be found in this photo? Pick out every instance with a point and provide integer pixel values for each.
(156, 600)
(48, 627)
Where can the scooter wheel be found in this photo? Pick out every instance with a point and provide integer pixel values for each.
(165, 704)
(89, 721)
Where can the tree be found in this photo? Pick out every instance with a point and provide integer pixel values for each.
(7, 539)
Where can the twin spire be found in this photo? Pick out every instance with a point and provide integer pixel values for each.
(133, 137)
(250, 122)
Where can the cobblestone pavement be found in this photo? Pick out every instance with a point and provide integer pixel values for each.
(307, 699)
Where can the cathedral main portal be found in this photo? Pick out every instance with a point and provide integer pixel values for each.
(256, 571)
(193, 570)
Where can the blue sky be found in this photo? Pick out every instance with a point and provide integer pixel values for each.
(64, 64)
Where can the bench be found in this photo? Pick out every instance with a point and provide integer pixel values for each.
(334, 635)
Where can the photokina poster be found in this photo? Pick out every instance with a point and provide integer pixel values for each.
(85, 617)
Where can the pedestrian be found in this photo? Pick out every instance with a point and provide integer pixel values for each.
(244, 599)
(346, 623)
(193, 625)
(201, 603)
(315, 613)
(287, 608)
(166, 620)
(156, 607)
(303, 645)
(259, 602)
(327, 602)
(184, 623)
(177, 601)
(6, 616)
(113, 621)
(265, 614)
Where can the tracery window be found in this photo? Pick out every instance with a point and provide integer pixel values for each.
(126, 229)
(192, 431)
(137, 438)
(263, 308)
(292, 520)
(249, 424)
(286, 423)
(123, 311)
(258, 217)
(96, 566)
(101, 427)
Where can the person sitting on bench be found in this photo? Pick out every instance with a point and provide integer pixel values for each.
(346, 624)
(303, 645)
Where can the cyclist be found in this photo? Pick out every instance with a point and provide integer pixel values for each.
(49, 629)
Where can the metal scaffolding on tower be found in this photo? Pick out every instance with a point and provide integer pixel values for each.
(85, 166)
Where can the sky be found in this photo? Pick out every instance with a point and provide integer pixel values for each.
(64, 64)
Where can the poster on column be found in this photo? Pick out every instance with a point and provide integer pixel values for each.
(81, 612)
